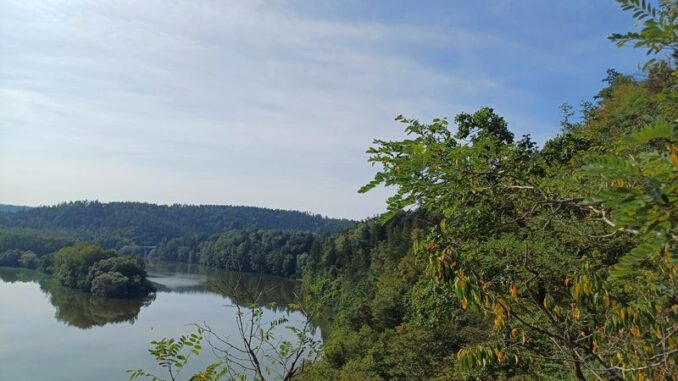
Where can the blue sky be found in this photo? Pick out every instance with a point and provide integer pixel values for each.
(271, 103)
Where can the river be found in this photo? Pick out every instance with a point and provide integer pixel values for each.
(52, 333)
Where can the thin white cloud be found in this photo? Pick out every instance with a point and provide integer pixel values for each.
(212, 101)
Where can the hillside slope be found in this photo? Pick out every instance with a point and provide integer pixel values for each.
(148, 224)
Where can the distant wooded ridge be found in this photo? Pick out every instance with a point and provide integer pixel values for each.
(7, 208)
(147, 224)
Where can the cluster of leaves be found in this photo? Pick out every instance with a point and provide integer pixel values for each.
(173, 355)
(261, 352)
(659, 25)
(119, 276)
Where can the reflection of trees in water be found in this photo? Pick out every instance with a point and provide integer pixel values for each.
(84, 310)
(245, 288)
(272, 292)
(77, 308)
(261, 290)
(13, 275)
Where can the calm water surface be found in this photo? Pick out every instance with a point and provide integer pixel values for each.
(48, 332)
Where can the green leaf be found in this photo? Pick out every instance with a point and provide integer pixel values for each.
(628, 263)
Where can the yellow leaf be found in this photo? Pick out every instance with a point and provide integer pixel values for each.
(575, 291)
(514, 292)
(674, 157)
(498, 316)
(634, 331)
(499, 354)
(464, 303)
(576, 313)
(587, 287)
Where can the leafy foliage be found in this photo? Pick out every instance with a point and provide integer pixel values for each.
(121, 276)
(660, 25)
(90, 268)
(571, 258)
(258, 355)
(173, 355)
(568, 250)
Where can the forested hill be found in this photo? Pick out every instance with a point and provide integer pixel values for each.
(6, 208)
(148, 224)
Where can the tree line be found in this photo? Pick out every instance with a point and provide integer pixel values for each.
(119, 224)
(274, 252)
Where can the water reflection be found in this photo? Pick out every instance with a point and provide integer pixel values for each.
(272, 292)
(84, 311)
(42, 319)
(76, 308)
(79, 309)
(276, 293)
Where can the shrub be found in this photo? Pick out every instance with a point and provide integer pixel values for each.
(29, 260)
(111, 284)
(10, 258)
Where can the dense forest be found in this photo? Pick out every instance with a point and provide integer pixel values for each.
(128, 224)
(514, 262)
(56, 240)
(274, 252)
(38, 241)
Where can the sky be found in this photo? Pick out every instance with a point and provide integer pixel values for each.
(272, 103)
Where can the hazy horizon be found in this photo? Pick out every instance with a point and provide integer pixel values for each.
(173, 204)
